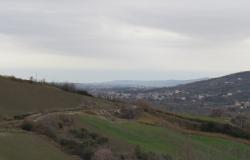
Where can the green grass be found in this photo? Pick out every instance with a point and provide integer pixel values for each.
(23, 146)
(167, 141)
(222, 120)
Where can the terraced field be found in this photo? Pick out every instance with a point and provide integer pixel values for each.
(24, 146)
(167, 141)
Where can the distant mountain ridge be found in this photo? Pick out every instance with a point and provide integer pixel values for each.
(223, 92)
(136, 84)
(226, 86)
(227, 91)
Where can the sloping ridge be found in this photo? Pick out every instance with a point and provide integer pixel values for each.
(231, 81)
(17, 97)
(226, 83)
(226, 90)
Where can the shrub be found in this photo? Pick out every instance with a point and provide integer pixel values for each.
(144, 105)
(21, 116)
(241, 120)
(70, 87)
(129, 112)
(83, 143)
(225, 129)
(103, 154)
(27, 125)
(85, 93)
(88, 137)
(85, 151)
(217, 113)
(141, 155)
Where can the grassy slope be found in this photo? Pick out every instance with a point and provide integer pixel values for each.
(23, 146)
(198, 118)
(21, 97)
(167, 141)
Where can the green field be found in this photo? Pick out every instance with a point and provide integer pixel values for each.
(24, 146)
(167, 141)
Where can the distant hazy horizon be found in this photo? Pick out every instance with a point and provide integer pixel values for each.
(96, 76)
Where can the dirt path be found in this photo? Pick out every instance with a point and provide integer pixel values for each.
(40, 116)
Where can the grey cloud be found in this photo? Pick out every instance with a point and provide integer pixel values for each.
(226, 20)
(74, 27)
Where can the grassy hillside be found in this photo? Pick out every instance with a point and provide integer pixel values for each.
(167, 141)
(23, 146)
(22, 97)
(102, 127)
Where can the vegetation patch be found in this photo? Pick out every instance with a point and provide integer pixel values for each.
(83, 143)
(168, 142)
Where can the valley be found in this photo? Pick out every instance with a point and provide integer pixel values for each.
(86, 127)
(229, 93)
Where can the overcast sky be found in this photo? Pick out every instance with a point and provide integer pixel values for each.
(99, 40)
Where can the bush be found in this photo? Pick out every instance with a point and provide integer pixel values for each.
(70, 87)
(144, 105)
(103, 154)
(27, 125)
(241, 120)
(217, 113)
(67, 87)
(87, 136)
(225, 129)
(85, 93)
(21, 116)
(83, 143)
(129, 112)
(85, 151)
(141, 155)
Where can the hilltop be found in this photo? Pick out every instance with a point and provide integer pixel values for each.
(23, 97)
(19, 97)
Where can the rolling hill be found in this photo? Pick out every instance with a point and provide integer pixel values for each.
(231, 91)
(67, 126)
(225, 90)
(19, 97)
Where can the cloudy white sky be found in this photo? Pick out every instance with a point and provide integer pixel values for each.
(97, 40)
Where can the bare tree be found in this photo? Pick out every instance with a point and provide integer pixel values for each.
(103, 154)
(240, 120)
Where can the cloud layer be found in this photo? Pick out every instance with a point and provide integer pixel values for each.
(162, 35)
